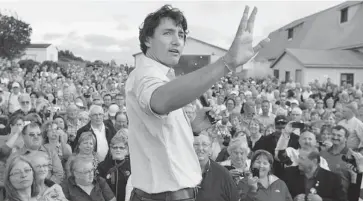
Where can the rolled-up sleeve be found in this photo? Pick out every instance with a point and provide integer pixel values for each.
(144, 89)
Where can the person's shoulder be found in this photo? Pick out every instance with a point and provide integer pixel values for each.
(292, 170)
(218, 167)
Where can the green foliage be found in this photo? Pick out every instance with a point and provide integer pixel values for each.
(28, 65)
(66, 55)
(14, 37)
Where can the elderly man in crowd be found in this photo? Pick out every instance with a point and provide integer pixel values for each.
(353, 125)
(33, 141)
(217, 183)
(308, 181)
(73, 123)
(102, 132)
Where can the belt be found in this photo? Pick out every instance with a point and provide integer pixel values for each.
(182, 194)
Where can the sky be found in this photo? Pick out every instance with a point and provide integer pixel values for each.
(106, 30)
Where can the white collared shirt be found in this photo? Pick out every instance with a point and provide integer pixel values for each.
(102, 144)
(161, 146)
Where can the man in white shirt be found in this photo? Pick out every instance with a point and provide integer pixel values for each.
(163, 162)
(102, 132)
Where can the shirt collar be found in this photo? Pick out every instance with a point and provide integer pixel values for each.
(315, 173)
(101, 129)
(146, 61)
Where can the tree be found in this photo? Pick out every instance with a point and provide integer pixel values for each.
(67, 55)
(14, 37)
(28, 65)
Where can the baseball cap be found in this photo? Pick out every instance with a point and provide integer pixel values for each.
(15, 84)
(294, 101)
(113, 109)
(281, 119)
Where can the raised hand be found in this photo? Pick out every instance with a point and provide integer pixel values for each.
(241, 50)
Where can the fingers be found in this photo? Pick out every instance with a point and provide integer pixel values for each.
(251, 21)
(243, 24)
(261, 44)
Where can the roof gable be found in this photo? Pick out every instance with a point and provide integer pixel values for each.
(321, 30)
(39, 45)
(325, 58)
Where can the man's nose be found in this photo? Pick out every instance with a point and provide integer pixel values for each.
(177, 40)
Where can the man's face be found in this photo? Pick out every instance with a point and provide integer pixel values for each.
(167, 43)
(338, 137)
(97, 115)
(265, 107)
(107, 100)
(202, 147)
(120, 101)
(307, 140)
(25, 104)
(33, 137)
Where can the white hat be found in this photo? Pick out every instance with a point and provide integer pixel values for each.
(113, 109)
(79, 103)
(15, 84)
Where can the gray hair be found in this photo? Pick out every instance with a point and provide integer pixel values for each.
(239, 142)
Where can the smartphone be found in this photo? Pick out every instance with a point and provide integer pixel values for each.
(298, 125)
(255, 172)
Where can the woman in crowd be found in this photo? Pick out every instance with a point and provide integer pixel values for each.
(84, 185)
(48, 190)
(85, 148)
(261, 184)
(238, 161)
(56, 139)
(19, 181)
(16, 124)
(269, 129)
(116, 167)
(255, 136)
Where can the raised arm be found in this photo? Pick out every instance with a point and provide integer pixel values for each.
(185, 89)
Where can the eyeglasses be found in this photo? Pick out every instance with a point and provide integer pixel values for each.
(35, 135)
(18, 173)
(25, 102)
(98, 115)
(121, 148)
(42, 166)
(85, 172)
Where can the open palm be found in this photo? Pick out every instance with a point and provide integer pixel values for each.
(241, 50)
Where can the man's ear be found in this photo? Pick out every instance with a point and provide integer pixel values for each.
(147, 42)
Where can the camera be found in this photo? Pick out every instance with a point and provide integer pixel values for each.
(350, 160)
(299, 125)
(255, 172)
(282, 156)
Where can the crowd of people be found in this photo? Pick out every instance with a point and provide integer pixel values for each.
(67, 133)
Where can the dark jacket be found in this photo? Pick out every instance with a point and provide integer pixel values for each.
(110, 132)
(269, 143)
(116, 174)
(100, 192)
(328, 185)
(217, 184)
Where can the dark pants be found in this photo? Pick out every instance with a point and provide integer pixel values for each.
(138, 195)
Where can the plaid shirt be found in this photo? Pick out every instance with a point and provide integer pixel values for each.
(73, 128)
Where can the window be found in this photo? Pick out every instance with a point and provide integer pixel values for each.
(290, 33)
(287, 76)
(276, 74)
(343, 15)
(348, 78)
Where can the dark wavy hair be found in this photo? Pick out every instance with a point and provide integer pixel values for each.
(153, 20)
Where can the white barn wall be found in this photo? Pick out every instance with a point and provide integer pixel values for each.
(36, 54)
(288, 63)
(334, 73)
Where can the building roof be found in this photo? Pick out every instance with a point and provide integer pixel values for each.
(324, 58)
(39, 45)
(321, 30)
(197, 40)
